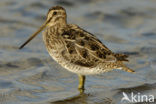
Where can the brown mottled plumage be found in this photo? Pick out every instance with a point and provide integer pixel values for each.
(76, 49)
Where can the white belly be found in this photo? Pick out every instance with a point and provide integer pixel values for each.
(76, 68)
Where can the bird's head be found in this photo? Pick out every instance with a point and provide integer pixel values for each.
(56, 16)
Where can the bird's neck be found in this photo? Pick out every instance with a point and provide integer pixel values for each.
(60, 23)
(56, 28)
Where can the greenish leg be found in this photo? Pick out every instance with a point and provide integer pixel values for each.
(81, 83)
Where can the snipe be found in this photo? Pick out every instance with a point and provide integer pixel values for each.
(76, 49)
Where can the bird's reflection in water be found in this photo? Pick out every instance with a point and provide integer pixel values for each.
(84, 98)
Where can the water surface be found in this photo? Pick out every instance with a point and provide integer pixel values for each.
(31, 76)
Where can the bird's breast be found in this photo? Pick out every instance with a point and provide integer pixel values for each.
(51, 38)
(53, 43)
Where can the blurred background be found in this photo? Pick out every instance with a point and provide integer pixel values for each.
(31, 76)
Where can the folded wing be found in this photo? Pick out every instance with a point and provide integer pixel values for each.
(83, 48)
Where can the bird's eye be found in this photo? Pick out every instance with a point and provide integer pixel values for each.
(54, 13)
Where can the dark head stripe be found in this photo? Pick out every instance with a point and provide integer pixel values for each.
(56, 8)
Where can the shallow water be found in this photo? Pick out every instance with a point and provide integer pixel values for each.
(30, 76)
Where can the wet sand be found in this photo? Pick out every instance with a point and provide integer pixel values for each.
(31, 76)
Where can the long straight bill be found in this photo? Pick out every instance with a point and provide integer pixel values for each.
(36, 33)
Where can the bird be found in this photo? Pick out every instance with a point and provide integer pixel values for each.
(76, 49)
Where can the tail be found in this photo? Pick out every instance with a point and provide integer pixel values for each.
(121, 57)
(125, 68)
